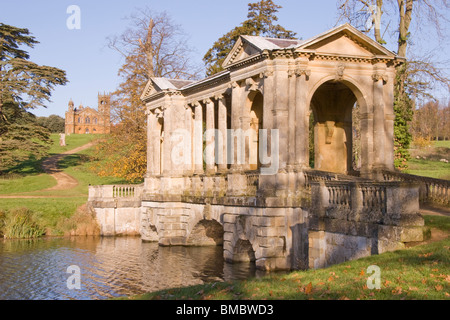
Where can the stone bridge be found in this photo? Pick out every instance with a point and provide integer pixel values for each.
(330, 218)
(230, 157)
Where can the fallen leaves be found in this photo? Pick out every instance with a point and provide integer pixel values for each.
(308, 288)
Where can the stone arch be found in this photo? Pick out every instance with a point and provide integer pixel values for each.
(255, 112)
(149, 229)
(332, 103)
(240, 239)
(206, 233)
(243, 251)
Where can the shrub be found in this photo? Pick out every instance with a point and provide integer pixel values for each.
(20, 224)
(421, 143)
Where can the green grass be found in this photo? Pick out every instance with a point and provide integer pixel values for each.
(426, 161)
(59, 204)
(73, 141)
(27, 183)
(48, 212)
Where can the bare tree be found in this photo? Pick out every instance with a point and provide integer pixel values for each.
(406, 23)
(152, 46)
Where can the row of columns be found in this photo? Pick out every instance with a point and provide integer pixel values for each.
(285, 107)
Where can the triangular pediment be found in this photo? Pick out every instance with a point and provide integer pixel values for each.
(241, 50)
(346, 41)
(149, 90)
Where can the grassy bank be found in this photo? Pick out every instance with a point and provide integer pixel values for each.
(421, 272)
(52, 210)
(426, 160)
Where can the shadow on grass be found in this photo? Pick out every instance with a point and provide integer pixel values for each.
(32, 166)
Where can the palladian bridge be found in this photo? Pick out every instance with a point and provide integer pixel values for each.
(229, 157)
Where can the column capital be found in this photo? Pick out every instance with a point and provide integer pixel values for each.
(377, 76)
(303, 71)
(219, 96)
(207, 101)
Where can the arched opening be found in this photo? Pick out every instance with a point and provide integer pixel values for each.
(206, 233)
(333, 128)
(87, 131)
(256, 101)
(243, 251)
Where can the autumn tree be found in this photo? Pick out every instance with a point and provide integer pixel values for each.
(152, 46)
(404, 23)
(260, 21)
(24, 85)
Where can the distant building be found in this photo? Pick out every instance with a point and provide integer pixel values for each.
(83, 120)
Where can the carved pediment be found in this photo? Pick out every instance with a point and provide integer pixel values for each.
(346, 41)
(149, 90)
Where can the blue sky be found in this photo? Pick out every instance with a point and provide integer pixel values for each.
(92, 67)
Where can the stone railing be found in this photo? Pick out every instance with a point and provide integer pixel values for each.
(430, 190)
(316, 175)
(99, 193)
(376, 202)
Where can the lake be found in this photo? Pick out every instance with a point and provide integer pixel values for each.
(42, 269)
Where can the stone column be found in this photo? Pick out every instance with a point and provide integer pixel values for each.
(291, 120)
(245, 126)
(210, 137)
(198, 138)
(151, 130)
(280, 112)
(302, 116)
(378, 120)
(236, 106)
(222, 141)
(166, 158)
(389, 124)
(188, 152)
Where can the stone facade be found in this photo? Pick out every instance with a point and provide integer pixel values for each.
(85, 120)
(229, 155)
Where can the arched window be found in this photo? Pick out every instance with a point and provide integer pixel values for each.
(95, 121)
(79, 120)
(88, 120)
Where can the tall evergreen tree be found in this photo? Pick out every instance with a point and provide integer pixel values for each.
(24, 85)
(261, 22)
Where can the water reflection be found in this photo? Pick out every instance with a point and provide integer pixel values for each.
(110, 267)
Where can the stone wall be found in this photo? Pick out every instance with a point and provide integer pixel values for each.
(355, 219)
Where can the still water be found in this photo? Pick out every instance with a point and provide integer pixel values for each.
(109, 267)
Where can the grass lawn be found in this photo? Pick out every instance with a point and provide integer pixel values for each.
(426, 161)
(73, 141)
(27, 183)
(29, 180)
(421, 272)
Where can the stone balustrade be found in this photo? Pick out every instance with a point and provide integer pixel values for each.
(430, 190)
(115, 192)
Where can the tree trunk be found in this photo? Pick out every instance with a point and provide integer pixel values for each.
(147, 47)
(377, 21)
(405, 10)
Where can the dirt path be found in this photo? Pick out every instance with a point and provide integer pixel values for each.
(64, 181)
(434, 210)
(50, 166)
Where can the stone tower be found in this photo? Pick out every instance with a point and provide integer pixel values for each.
(86, 120)
(104, 108)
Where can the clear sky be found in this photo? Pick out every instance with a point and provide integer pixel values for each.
(92, 67)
